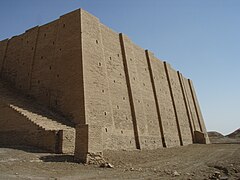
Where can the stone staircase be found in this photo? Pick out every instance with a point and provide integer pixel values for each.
(24, 122)
(42, 122)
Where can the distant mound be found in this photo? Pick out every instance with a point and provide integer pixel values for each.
(232, 138)
(215, 134)
(235, 134)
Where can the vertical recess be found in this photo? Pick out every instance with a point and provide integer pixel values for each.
(173, 102)
(185, 102)
(4, 57)
(155, 98)
(195, 105)
(55, 73)
(133, 113)
(33, 60)
(81, 59)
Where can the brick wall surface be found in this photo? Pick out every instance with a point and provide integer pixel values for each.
(122, 127)
(41, 84)
(3, 49)
(24, 68)
(149, 129)
(180, 108)
(12, 59)
(163, 95)
(192, 109)
(100, 79)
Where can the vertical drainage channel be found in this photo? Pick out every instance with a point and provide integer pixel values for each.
(185, 102)
(135, 129)
(195, 105)
(155, 98)
(174, 105)
(189, 105)
(33, 61)
(4, 57)
(82, 67)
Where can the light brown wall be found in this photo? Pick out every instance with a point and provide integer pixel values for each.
(10, 120)
(3, 49)
(15, 129)
(192, 109)
(186, 103)
(184, 129)
(122, 130)
(166, 109)
(132, 79)
(199, 113)
(98, 110)
(67, 81)
(43, 72)
(24, 68)
(46, 63)
(151, 136)
(99, 78)
(12, 59)
(96, 98)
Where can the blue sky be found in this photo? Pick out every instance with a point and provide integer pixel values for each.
(201, 38)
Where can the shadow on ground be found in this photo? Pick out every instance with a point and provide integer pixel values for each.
(24, 148)
(58, 158)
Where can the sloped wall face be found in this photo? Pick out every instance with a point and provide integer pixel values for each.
(137, 100)
(181, 115)
(26, 133)
(100, 80)
(122, 128)
(45, 62)
(148, 118)
(11, 59)
(3, 48)
(165, 104)
(27, 52)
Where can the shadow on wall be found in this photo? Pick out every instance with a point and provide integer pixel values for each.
(15, 98)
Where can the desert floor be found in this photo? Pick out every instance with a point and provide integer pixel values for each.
(196, 161)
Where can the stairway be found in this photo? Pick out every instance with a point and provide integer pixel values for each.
(24, 122)
(41, 121)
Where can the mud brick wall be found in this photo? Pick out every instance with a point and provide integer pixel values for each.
(11, 59)
(3, 49)
(184, 129)
(44, 60)
(15, 129)
(149, 129)
(26, 57)
(40, 62)
(165, 104)
(122, 128)
(99, 79)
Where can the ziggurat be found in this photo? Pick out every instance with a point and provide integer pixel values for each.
(92, 89)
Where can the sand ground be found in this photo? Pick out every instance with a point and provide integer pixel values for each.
(188, 162)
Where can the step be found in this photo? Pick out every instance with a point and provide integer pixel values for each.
(41, 121)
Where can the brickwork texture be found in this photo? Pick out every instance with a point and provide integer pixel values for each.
(118, 95)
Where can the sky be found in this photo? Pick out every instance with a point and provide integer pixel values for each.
(200, 38)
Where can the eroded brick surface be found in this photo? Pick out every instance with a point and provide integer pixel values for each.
(101, 81)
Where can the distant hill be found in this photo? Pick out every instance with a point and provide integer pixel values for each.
(235, 134)
(232, 138)
(215, 134)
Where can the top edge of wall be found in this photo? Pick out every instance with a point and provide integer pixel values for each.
(80, 10)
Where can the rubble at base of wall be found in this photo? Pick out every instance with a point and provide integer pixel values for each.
(94, 159)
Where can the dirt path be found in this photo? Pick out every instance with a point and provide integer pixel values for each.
(189, 162)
